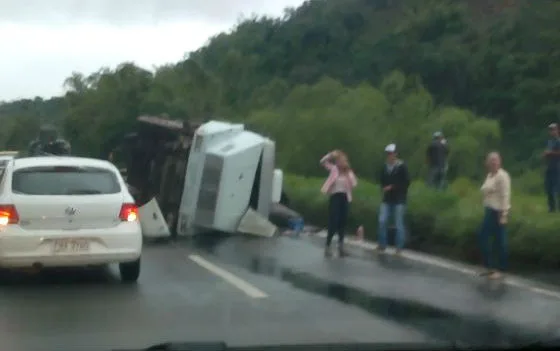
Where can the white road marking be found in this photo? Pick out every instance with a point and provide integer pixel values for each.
(234, 280)
(510, 280)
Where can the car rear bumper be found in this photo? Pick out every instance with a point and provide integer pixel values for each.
(29, 261)
(20, 249)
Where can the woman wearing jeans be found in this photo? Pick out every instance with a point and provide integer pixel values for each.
(496, 192)
(339, 186)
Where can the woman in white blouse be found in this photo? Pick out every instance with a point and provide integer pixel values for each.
(496, 192)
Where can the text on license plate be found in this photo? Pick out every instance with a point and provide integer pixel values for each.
(71, 245)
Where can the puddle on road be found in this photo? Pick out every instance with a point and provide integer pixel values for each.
(437, 323)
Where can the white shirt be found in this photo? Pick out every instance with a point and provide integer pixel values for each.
(496, 191)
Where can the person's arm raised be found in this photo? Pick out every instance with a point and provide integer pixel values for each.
(326, 161)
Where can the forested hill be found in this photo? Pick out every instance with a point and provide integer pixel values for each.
(21, 118)
(389, 68)
(37, 107)
(494, 57)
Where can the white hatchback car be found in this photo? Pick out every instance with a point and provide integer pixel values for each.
(67, 211)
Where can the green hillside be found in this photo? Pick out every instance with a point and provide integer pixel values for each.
(497, 58)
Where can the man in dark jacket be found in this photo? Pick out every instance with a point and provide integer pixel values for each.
(394, 180)
(437, 153)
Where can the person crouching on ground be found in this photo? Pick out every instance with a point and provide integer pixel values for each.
(339, 187)
(496, 191)
(394, 180)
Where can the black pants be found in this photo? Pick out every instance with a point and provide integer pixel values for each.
(338, 214)
(436, 178)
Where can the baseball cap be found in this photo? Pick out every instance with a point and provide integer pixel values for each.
(437, 134)
(391, 148)
(552, 125)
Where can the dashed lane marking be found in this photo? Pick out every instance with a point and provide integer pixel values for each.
(247, 288)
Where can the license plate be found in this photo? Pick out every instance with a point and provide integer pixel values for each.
(71, 246)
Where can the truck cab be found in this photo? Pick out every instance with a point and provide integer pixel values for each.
(229, 170)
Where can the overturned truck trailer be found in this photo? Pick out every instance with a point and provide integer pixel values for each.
(215, 176)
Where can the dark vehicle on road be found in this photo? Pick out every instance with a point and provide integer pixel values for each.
(154, 159)
(49, 143)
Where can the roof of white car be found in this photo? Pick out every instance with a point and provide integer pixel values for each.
(62, 161)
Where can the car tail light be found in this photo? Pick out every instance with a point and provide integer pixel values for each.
(129, 213)
(8, 215)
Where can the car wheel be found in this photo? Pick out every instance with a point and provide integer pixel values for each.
(130, 271)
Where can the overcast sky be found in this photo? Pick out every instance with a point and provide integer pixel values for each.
(43, 41)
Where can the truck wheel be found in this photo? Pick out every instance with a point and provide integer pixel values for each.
(284, 200)
(172, 220)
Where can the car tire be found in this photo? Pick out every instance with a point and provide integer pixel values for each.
(130, 271)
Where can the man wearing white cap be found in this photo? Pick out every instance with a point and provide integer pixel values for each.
(394, 180)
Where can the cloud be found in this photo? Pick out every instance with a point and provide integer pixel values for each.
(43, 41)
(123, 12)
(36, 59)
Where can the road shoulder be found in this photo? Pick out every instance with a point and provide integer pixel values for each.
(361, 247)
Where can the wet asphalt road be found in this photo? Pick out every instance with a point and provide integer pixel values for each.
(249, 291)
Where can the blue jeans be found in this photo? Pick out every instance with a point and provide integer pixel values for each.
(385, 211)
(491, 228)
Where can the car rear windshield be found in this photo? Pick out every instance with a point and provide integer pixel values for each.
(64, 181)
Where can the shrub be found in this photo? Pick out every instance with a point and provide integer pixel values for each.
(442, 222)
